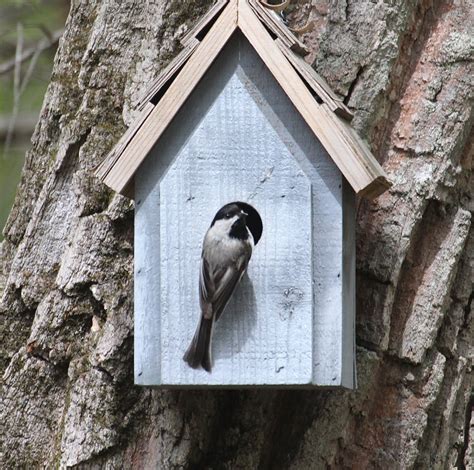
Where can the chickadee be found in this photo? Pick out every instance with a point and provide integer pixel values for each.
(226, 252)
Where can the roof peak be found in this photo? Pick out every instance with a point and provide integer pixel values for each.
(315, 101)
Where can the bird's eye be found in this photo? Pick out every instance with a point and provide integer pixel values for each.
(228, 215)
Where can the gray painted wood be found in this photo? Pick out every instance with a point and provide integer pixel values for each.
(291, 321)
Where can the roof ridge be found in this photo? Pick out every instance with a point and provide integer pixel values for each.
(279, 49)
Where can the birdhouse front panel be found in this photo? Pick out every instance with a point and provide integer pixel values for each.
(290, 321)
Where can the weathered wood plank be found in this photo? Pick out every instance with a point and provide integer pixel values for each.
(203, 22)
(316, 82)
(111, 159)
(359, 167)
(276, 25)
(349, 152)
(169, 71)
(175, 96)
(361, 151)
(190, 44)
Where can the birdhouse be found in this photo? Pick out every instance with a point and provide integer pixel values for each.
(240, 116)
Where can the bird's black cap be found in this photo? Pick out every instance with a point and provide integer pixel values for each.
(253, 220)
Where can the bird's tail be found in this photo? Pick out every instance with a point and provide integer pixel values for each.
(199, 351)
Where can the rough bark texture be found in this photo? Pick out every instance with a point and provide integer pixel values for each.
(66, 333)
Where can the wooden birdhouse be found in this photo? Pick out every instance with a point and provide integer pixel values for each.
(240, 116)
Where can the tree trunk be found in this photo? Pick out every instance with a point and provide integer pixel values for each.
(66, 337)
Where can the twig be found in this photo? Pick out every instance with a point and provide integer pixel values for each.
(16, 89)
(29, 70)
(19, 85)
(44, 44)
(24, 125)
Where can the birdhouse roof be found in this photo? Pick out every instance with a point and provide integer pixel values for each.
(281, 51)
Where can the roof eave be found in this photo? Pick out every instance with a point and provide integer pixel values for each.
(351, 155)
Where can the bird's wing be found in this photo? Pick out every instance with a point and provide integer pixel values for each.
(216, 288)
(225, 287)
(206, 284)
(226, 282)
(206, 289)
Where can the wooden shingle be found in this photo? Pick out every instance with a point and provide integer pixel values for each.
(280, 50)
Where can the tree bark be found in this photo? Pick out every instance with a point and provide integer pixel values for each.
(66, 332)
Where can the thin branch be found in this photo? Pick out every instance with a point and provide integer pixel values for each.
(19, 85)
(24, 125)
(16, 89)
(44, 44)
(29, 70)
(18, 55)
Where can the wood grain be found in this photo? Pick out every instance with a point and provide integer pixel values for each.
(316, 82)
(277, 27)
(203, 22)
(287, 325)
(170, 71)
(358, 166)
(349, 152)
(173, 99)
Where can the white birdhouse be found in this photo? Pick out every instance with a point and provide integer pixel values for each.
(239, 116)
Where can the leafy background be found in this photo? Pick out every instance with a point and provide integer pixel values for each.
(35, 20)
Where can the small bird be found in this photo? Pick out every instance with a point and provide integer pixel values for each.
(226, 252)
